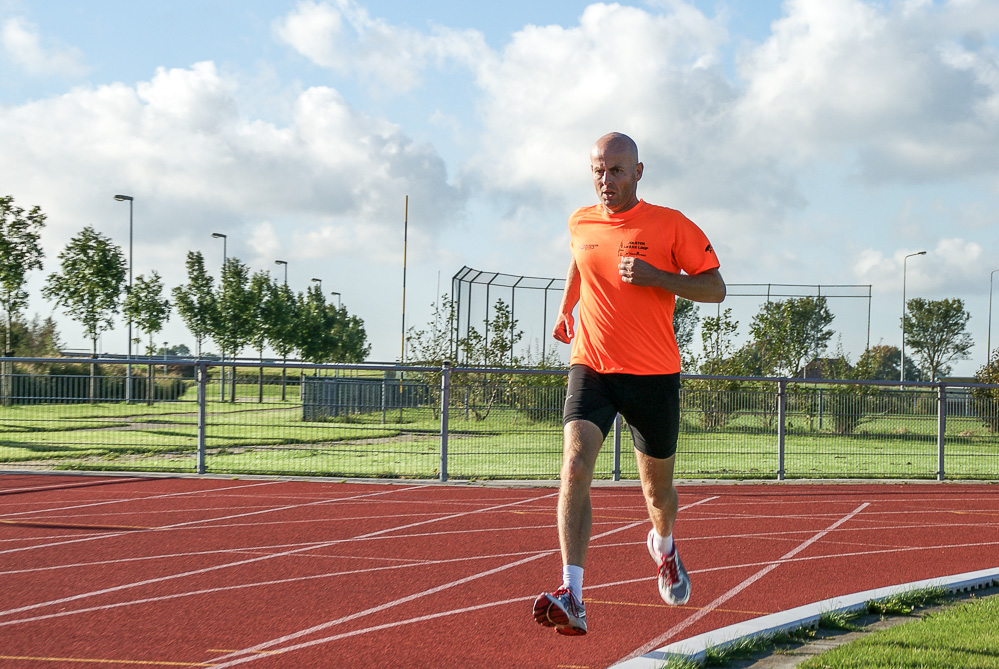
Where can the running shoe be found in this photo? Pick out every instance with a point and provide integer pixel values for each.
(562, 611)
(674, 584)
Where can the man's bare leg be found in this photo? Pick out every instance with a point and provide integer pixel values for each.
(583, 440)
(662, 502)
(661, 498)
(563, 609)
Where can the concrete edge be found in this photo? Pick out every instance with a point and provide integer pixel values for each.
(807, 616)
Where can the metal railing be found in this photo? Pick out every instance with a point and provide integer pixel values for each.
(469, 423)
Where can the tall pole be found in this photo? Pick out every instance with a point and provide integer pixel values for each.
(988, 339)
(225, 257)
(901, 371)
(333, 292)
(405, 235)
(320, 282)
(285, 263)
(128, 363)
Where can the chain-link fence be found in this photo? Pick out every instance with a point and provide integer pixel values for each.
(387, 421)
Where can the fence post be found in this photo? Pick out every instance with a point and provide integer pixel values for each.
(445, 405)
(617, 448)
(781, 425)
(202, 376)
(941, 428)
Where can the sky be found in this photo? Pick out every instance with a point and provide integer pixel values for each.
(816, 142)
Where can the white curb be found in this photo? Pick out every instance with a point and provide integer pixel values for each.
(806, 616)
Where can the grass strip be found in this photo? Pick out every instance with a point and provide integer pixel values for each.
(748, 647)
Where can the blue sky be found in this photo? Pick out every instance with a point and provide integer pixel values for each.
(816, 142)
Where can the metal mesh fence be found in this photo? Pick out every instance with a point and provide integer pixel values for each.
(386, 421)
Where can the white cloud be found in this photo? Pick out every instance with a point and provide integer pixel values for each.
(902, 86)
(24, 45)
(179, 144)
(342, 36)
(950, 265)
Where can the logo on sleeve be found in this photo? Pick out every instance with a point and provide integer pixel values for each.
(708, 249)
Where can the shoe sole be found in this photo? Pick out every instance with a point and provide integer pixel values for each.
(549, 615)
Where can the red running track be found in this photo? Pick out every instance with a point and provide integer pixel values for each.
(194, 572)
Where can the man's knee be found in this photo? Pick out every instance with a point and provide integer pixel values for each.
(582, 444)
(661, 496)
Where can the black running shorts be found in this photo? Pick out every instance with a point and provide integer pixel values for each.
(650, 404)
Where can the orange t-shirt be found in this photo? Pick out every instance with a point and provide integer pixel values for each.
(624, 328)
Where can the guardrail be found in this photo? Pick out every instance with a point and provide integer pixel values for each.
(385, 420)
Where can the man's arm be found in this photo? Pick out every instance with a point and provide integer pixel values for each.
(570, 296)
(708, 286)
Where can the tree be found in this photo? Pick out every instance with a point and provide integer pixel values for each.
(935, 330)
(280, 324)
(880, 363)
(89, 286)
(234, 320)
(717, 337)
(328, 333)
(36, 339)
(350, 341)
(19, 254)
(791, 332)
(432, 347)
(986, 399)
(146, 307)
(260, 288)
(685, 319)
(713, 397)
(195, 301)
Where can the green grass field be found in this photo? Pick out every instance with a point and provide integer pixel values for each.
(962, 636)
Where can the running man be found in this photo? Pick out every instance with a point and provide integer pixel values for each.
(630, 260)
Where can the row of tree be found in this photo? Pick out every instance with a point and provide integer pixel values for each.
(791, 337)
(241, 311)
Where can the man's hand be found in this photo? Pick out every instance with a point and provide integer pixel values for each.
(563, 328)
(638, 272)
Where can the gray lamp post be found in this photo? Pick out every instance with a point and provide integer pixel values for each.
(988, 339)
(128, 363)
(337, 298)
(225, 256)
(320, 282)
(901, 371)
(285, 263)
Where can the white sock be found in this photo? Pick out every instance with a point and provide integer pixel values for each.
(663, 545)
(572, 578)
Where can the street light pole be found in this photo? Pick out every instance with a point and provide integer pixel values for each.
(320, 282)
(337, 298)
(128, 363)
(285, 263)
(988, 345)
(225, 257)
(901, 371)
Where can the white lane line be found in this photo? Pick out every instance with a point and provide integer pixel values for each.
(69, 486)
(207, 522)
(124, 500)
(234, 658)
(679, 627)
(262, 558)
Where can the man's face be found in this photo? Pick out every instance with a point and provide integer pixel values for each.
(615, 176)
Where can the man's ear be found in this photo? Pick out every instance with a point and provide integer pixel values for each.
(639, 168)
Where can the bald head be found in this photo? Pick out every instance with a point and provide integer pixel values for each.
(616, 171)
(617, 141)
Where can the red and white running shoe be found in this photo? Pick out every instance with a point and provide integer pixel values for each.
(562, 611)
